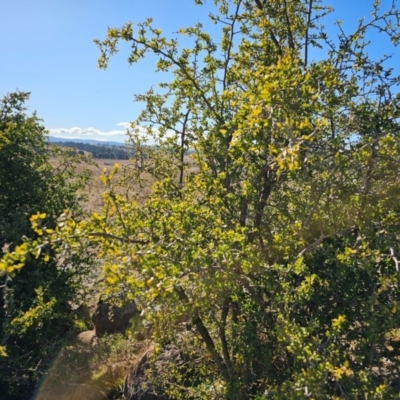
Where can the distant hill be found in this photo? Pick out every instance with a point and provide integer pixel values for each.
(98, 149)
(53, 139)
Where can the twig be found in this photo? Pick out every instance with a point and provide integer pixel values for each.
(394, 258)
(121, 239)
(312, 245)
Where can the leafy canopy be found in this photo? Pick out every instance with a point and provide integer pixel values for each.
(276, 240)
(35, 302)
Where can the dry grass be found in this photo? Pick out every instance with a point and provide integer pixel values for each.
(96, 187)
(122, 182)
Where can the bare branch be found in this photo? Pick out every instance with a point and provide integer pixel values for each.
(184, 71)
(394, 258)
(197, 321)
(264, 195)
(271, 33)
(291, 42)
(183, 137)
(307, 32)
(312, 245)
(222, 335)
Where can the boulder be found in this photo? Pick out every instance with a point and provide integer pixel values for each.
(137, 384)
(72, 391)
(109, 318)
(87, 337)
(387, 373)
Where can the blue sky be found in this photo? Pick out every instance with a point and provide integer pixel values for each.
(46, 48)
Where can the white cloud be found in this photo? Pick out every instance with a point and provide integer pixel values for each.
(118, 135)
(124, 124)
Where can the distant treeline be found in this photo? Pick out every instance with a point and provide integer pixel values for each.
(99, 150)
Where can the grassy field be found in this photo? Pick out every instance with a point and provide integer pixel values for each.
(124, 181)
(95, 186)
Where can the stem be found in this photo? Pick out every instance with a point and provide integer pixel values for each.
(197, 321)
(121, 239)
(168, 56)
(183, 147)
(222, 335)
(228, 52)
(271, 33)
(265, 192)
(291, 42)
(243, 212)
(307, 30)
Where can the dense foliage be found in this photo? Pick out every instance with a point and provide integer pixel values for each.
(271, 255)
(35, 303)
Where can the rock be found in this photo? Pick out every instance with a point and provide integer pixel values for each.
(388, 373)
(137, 385)
(82, 311)
(113, 373)
(87, 337)
(108, 318)
(72, 391)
